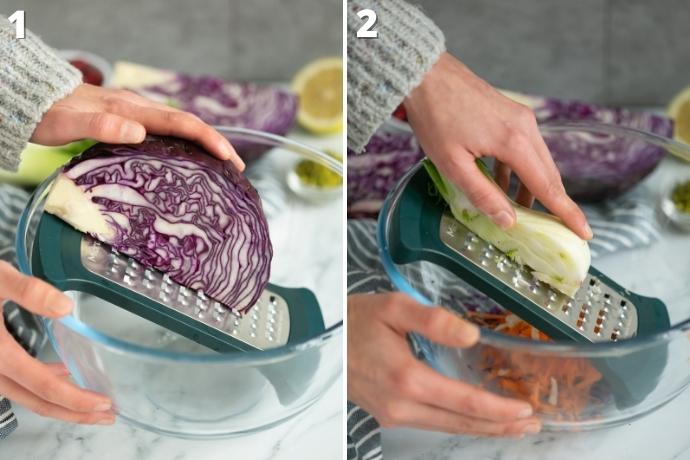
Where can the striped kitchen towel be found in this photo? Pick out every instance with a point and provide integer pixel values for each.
(624, 223)
(365, 274)
(22, 325)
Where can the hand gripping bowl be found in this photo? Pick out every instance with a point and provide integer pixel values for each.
(165, 383)
(657, 365)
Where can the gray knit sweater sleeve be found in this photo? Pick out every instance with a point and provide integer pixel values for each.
(382, 71)
(32, 78)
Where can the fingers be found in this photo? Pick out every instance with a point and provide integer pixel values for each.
(578, 222)
(528, 158)
(31, 401)
(179, 124)
(41, 380)
(502, 175)
(549, 190)
(64, 126)
(482, 193)
(426, 417)
(33, 294)
(58, 369)
(435, 323)
(524, 197)
(462, 398)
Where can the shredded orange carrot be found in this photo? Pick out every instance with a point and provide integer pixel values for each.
(537, 379)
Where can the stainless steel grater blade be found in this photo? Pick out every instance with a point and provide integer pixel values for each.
(266, 325)
(596, 312)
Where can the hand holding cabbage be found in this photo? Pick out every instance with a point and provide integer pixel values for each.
(122, 117)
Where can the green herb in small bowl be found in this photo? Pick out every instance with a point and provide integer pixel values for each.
(675, 203)
(314, 181)
(317, 175)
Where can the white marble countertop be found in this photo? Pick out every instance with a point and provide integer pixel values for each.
(317, 433)
(312, 435)
(661, 435)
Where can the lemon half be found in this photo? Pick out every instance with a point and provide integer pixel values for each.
(319, 87)
(679, 111)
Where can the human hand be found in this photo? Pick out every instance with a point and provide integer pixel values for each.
(386, 380)
(458, 117)
(42, 388)
(123, 117)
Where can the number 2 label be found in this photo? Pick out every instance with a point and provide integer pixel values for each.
(365, 31)
(17, 19)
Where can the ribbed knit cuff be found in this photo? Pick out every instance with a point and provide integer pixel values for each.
(32, 79)
(382, 71)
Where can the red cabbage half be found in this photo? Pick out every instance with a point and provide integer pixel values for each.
(374, 172)
(224, 103)
(172, 206)
(596, 167)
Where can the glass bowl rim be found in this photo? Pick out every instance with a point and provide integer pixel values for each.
(489, 337)
(124, 347)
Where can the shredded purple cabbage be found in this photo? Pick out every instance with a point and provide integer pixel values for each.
(180, 210)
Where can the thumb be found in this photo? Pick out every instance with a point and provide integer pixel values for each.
(484, 194)
(31, 293)
(437, 324)
(67, 126)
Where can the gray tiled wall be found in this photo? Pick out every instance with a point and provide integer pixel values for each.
(633, 52)
(243, 39)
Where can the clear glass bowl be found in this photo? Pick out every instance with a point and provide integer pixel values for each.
(161, 381)
(513, 366)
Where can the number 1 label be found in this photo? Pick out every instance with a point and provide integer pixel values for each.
(17, 19)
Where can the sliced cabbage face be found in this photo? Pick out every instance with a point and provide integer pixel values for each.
(170, 205)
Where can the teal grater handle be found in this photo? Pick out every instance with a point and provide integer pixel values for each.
(56, 258)
(414, 235)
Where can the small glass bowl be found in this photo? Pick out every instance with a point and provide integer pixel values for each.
(680, 219)
(312, 193)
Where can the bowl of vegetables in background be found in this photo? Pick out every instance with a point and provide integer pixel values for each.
(95, 70)
(564, 380)
(165, 383)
